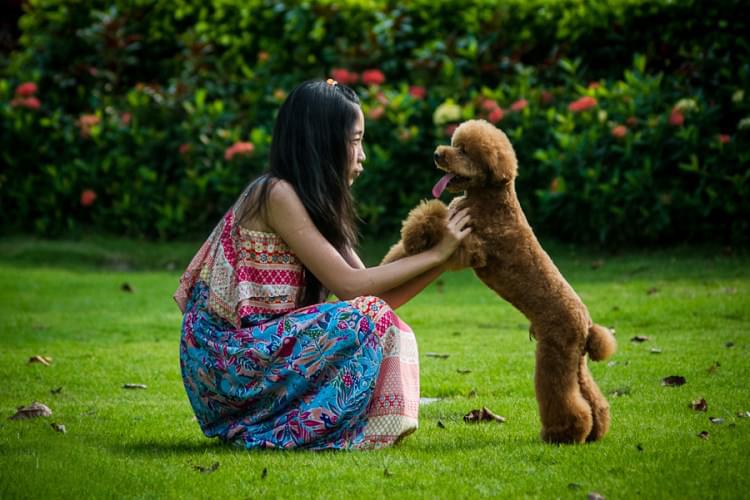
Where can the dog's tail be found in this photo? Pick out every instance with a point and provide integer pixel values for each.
(600, 343)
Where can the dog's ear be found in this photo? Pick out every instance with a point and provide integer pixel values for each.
(501, 158)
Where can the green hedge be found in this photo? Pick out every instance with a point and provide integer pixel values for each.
(139, 102)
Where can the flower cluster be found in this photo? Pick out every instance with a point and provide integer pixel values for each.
(492, 109)
(582, 104)
(25, 96)
(447, 112)
(87, 122)
(239, 148)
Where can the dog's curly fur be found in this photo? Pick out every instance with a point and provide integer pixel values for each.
(507, 257)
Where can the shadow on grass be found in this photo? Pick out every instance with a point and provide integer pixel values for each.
(161, 448)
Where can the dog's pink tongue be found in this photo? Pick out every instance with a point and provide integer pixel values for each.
(441, 184)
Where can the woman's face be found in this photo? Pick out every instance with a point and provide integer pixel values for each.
(356, 149)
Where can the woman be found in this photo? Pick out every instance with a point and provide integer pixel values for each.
(265, 360)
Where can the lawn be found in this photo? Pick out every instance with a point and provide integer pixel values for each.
(101, 309)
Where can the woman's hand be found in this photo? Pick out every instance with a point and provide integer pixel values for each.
(457, 229)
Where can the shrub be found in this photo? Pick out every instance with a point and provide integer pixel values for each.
(163, 111)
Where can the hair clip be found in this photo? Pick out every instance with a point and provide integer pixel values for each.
(331, 82)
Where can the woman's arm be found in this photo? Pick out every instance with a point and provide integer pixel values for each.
(289, 219)
(405, 292)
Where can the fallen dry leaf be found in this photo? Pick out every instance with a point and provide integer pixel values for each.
(673, 380)
(58, 427)
(134, 386)
(437, 355)
(125, 287)
(206, 470)
(34, 410)
(620, 391)
(45, 360)
(716, 420)
(640, 338)
(699, 405)
(703, 434)
(483, 415)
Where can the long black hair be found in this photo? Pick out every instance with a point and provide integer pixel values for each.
(309, 150)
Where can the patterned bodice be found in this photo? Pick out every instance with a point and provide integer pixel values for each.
(269, 275)
(251, 276)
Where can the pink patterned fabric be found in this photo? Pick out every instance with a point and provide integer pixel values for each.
(247, 273)
(394, 408)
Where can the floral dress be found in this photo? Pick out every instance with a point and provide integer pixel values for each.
(261, 372)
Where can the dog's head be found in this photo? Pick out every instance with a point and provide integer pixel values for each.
(479, 155)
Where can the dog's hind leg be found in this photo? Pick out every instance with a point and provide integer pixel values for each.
(564, 412)
(595, 398)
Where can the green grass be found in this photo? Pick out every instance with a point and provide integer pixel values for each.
(64, 300)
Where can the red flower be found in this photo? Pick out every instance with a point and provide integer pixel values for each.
(676, 118)
(344, 76)
(619, 131)
(376, 113)
(449, 129)
(724, 138)
(582, 104)
(26, 102)
(417, 92)
(27, 89)
(488, 105)
(88, 196)
(546, 97)
(239, 148)
(373, 77)
(519, 105)
(85, 123)
(495, 115)
(185, 148)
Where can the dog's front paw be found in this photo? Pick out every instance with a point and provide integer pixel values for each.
(424, 226)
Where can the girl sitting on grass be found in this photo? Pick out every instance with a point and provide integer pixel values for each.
(266, 362)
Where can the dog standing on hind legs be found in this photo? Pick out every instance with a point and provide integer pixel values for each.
(508, 258)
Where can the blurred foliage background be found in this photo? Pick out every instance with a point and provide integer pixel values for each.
(630, 118)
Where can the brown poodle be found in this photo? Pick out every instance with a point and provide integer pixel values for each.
(507, 257)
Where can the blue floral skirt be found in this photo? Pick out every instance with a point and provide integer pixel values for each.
(335, 375)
